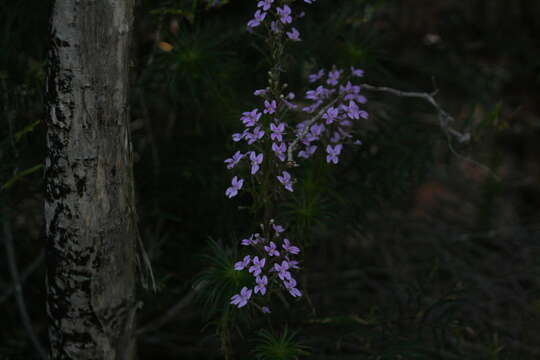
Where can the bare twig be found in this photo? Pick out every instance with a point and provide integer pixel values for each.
(444, 120)
(145, 265)
(294, 144)
(172, 312)
(21, 305)
(25, 274)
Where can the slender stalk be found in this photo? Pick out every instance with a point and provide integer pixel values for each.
(24, 275)
(444, 121)
(19, 296)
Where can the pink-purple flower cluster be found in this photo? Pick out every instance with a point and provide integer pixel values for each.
(263, 130)
(333, 106)
(278, 18)
(271, 267)
(336, 99)
(272, 143)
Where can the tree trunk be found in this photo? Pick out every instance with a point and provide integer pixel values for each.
(89, 207)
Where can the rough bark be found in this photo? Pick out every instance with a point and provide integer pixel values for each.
(89, 207)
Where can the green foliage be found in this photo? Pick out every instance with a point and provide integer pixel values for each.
(198, 64)
(219, 280)
(18, 176)
(271, 346)
(313, 203)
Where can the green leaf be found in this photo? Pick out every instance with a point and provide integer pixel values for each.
(20, 175)
(27, 129)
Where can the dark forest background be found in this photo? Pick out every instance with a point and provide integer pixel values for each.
(410, 251)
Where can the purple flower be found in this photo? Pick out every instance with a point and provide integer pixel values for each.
(266, 310)
(261, 284)
(250, 118)
(333, 153)
(331, 115)
(252, 240)
(363, 114)
(277, 131)
(258, 133)
(317, 129)
(291, 287)
(241, 299)
(336, 137)
(309, 138)
(333, 77)
(256, 161)
(265, 4)
(271, 249)
(241, 265)
(236, 185)
(286, 180)
(234, 160)
(290, 247)
(300, 127)
(312, 95)
(349, 88)
(255, 135)
(319, 93)
(345, 123)
(308, 152)
(257, 266)
(352, 110)
(258, 18)
(290, 105)
(278, 228)
(293, 264)
(355, 97)
(279, 150)
(270, 107)
(314, 77)
(357, 72)
(294, 35)
(309, 1)
(237, 136)
(360, 99)
(283, 270)
(351, 92)
(260, 92)
(311, 108)
(285, 14)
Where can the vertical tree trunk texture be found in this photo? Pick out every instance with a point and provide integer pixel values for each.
(89, 206)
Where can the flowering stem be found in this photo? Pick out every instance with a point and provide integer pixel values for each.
(294, 144)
